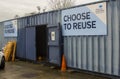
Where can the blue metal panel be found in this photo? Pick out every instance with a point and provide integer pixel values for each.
(21, 40)
(30, 43)
(97, 53)
(54, 45)
(54, 55)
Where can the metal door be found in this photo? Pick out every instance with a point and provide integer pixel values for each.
(54, 44)
(30, 43)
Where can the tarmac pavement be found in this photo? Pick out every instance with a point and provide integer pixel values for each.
(27, 70)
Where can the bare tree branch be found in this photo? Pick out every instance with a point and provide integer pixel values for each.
(60, 4)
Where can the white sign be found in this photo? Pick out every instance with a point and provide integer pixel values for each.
(53, 36)
(10, 28)
(85, 20)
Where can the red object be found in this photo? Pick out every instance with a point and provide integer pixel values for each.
(63, 66)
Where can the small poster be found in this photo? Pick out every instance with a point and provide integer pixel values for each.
(53, 36)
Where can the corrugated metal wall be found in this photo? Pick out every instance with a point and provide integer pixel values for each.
(4, 40)
(47, 18)
(93, 53)
(97, 53)
(21, 38)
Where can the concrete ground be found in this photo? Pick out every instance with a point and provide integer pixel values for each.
(27, 70)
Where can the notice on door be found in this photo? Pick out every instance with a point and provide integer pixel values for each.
(53, 36)
(85, 20)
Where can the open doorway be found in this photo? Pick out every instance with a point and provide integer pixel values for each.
(41, 42)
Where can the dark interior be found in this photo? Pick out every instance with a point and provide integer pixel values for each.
(41, 42)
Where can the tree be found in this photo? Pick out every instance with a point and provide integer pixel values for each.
(16, 16)
(60, 4)
(38, 8)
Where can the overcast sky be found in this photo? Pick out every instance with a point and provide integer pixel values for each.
(9, 8)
